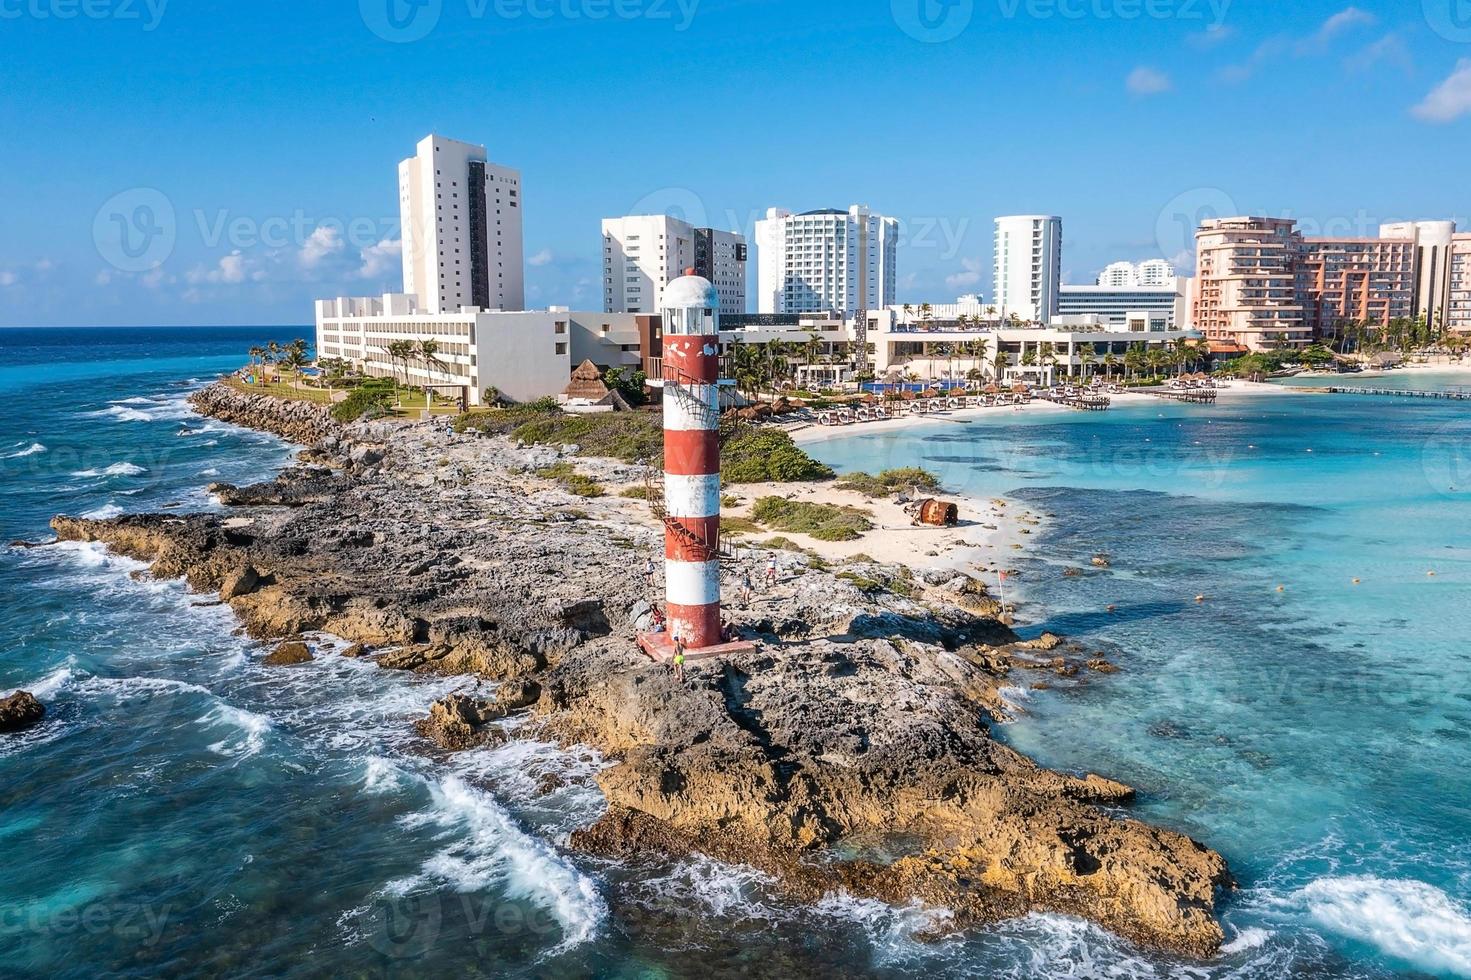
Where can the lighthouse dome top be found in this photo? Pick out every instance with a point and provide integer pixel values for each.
(691, 293)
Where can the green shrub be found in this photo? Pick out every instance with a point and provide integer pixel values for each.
(572, 481)
(890, 482)
(365, 401)
(627, 436)
(768, 456)
(825, 522)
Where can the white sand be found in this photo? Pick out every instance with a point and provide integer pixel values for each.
(991, 532)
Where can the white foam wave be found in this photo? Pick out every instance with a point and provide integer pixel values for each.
(1247, 939)
(490, 849)
(135, 400)
(30, 450)
(1405, 919)
(125, 687)
(103, 513)
(380, 775)
(893, 931)
(250, 734)
(116, 469)
(54, 682)
(209, 472)
(701, 886)
(122, 413)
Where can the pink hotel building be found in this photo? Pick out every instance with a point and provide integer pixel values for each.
(1261, 284)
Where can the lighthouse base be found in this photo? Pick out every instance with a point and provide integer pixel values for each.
(660, 648)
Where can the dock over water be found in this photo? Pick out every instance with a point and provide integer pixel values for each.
(1460, 393)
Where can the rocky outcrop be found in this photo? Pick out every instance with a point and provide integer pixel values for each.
(297, 421)
(861, 715)
(20, 711)
(289, 654)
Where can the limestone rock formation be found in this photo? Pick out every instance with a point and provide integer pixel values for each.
(19, 711)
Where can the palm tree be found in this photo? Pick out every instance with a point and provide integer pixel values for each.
(1110, 361)
(294, 360)
(1134, 359)
(273, 354)
(1087, 355)
(257, 353)
(426, 351)
(400, 351)
(1001, 362)
(1047, 355)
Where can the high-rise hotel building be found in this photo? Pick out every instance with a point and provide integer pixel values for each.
(643, 254)
(461, 218)
(1028, 266)
(1259, 282)
(826, 261)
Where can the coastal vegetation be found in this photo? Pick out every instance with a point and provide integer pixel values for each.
(825, 522)
(891, 482)
(627, 436)
(754, 455)
(370, 400)
(572, 481)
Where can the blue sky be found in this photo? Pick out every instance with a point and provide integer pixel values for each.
(257, 142)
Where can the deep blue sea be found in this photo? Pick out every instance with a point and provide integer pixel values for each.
(186, 811)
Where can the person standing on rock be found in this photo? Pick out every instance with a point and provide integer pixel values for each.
(649, 572)
(771, 572)
(679, 658)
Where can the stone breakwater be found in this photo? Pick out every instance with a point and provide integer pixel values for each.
(297, 421)
(861, 718)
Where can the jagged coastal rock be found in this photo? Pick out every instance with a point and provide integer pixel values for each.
(20, 711)
(861, 717)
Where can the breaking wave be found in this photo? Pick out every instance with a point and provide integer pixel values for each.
(1405, 919)
(30, 450)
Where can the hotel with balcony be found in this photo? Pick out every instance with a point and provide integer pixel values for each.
(1246, 283)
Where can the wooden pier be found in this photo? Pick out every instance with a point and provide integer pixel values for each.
(1458, 393)
(1195, 396)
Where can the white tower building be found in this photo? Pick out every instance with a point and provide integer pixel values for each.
(1028, 265)
(1433, 258)
(643, 254)
(826, 261)
(461, 217)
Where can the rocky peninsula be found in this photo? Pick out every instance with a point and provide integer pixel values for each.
(861, 718)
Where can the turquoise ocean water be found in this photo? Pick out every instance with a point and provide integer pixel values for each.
(186, 811)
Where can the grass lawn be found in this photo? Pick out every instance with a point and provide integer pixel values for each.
(412, 400)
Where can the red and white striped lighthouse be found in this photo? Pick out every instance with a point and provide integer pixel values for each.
(691, 378)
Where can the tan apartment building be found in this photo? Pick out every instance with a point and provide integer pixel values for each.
(1458, 309)
(1356, 280)
(1246, 283)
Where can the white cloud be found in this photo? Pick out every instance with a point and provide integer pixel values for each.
(324, 241)
(544, 257)
(1213, 35)
(381, 259)
(1389, 50)
(970, 277)
(154, 277)
(102, 278)
(1267, 50)
(1147, 81)
(1450, 100)
(45, 265)
(231, 270)
(8, 278)
(1340, 23)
